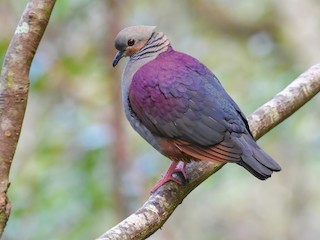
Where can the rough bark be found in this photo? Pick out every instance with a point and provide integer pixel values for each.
(14, 87)
(158, 208)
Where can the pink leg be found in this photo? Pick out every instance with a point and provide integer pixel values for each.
(181, 168)
(173, 168)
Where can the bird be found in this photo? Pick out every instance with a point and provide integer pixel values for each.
(180, 107)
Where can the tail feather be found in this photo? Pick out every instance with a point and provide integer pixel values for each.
(255, 168)
(265, 159)
(261, 176)
(254, 159)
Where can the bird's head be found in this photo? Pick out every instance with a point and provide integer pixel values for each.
(130, 40)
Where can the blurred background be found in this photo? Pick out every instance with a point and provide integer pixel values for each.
(80, 168)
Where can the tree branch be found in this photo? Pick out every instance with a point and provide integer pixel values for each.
(14, 87)
(154, 213)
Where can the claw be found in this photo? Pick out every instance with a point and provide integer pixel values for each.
(163, 180)
(173, 168)
(181, 168)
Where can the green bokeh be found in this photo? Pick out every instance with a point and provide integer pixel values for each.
(65, 184)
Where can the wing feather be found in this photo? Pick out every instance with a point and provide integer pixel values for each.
(178, 97)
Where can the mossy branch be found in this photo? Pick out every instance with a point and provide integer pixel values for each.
(14, 88)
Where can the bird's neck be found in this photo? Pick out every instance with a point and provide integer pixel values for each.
(157, 44)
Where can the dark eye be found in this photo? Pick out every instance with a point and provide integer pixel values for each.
(131, 42)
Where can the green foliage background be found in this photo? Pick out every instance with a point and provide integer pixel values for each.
(76, 172)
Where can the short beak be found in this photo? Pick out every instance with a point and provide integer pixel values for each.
(117, 58)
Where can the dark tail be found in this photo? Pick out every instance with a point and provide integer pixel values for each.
(254, 159)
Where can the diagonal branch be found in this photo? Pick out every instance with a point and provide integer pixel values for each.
(158, 208)
(14, 87)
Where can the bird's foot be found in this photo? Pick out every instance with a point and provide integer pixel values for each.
(173, 168)
(181, 168)
(163, 180)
